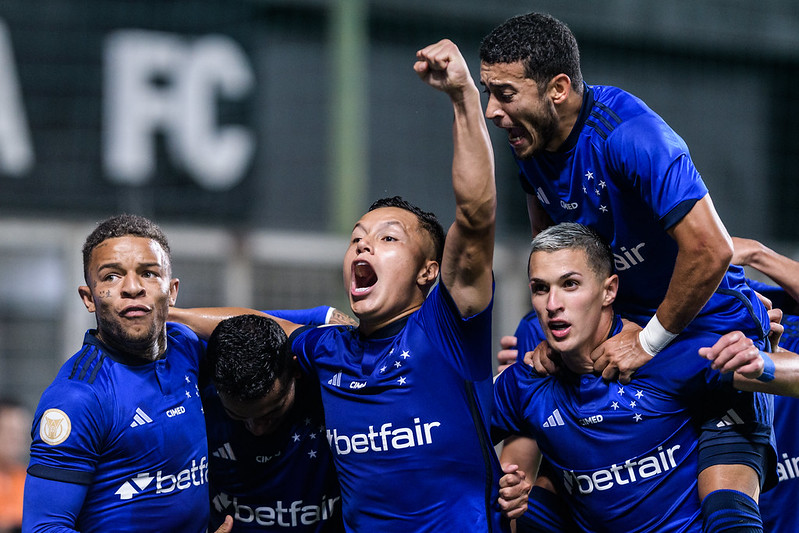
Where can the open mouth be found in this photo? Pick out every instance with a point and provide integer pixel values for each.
(559, 328)
(363, 277)
(516, 134)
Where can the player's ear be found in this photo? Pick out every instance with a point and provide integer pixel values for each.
(559, 88)
(86, 297)
(173, 291)
(428, 273)
(611, 287)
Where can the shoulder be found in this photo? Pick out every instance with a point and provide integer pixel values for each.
(182, 334)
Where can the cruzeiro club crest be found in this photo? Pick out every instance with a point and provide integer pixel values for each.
(54, 427)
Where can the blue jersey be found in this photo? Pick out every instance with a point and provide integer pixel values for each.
(625, 173)
(283, 481)
(778, 505)
(528, 335)
(625, 453)
(407, 411)
(133, 432)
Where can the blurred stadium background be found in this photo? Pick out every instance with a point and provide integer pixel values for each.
(256, 131)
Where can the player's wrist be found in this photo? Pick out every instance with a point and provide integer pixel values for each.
(768, 368)
(654, 337)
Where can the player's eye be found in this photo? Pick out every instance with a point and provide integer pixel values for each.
(538, 288)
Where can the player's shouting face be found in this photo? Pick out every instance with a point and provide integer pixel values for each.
(386, 266)
(516, 105)
(130, 292)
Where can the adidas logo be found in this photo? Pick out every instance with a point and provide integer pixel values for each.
(225, 452)
(335, 380)
(554, 420)
(140, 418)
(542, 197)
(730, 419)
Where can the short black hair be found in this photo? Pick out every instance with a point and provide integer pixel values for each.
(246, 355)
(427, 221)
(545, 45)
(120, 226)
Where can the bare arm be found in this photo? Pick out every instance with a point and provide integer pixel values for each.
(203, 320)
(524, 452)
(539, 219)
(466, 267)
(735, 352)
(704, 253)
(783, 270)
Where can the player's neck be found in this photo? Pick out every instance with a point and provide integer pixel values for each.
(580, 361)
(568, 113)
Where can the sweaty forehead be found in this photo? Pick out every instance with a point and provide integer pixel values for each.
(129, 247)
(388, 217)
(501, 73)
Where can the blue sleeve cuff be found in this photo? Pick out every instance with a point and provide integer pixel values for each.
(316, 316)
(768, 368)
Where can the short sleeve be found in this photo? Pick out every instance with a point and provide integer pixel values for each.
(68, 433)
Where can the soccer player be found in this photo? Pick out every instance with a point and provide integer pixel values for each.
(407, 394)
(119, 437)
(270, 466)
(597, 155)
(624, 455)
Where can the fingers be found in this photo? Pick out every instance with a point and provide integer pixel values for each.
(506, 357)
(734, 352)
(227, 525)
(542, 359)
(508, 342)
(514, 490)
(435, 56)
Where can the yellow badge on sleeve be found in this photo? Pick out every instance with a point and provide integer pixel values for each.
(55, 426)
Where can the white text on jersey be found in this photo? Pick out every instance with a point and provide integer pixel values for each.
(621, 474)
(384, 440)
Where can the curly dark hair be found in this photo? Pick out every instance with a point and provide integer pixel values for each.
(427, 221)
(246, 355)
(120, 226)
(545, 45)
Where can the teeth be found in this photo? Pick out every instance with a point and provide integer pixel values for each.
(360, 290)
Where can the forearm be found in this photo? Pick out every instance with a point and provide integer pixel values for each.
(786, 376)
(783, 270)
(696, 276)
(203, 320)
(472, 164)
(704, 254)
(524, 452)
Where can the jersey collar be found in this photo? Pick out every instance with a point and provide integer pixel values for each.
(91, 339)
(585, 111)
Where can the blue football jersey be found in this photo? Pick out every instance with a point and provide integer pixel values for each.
(778, 505)
(625, 455)
(133, 431)
(407, 411)
(625, 173)
(528, 335)
(282, 481)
